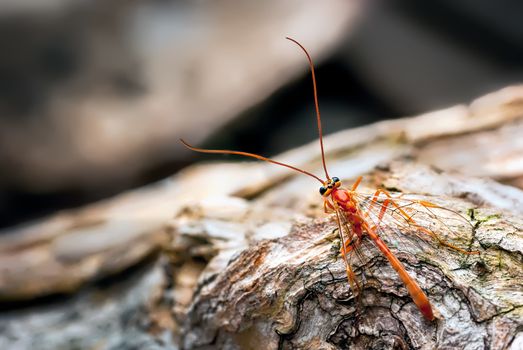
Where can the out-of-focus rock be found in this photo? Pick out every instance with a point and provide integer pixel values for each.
(99, 92)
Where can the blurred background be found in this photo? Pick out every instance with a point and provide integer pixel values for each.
(95, 94)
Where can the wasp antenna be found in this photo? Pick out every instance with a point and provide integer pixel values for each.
(316, 104)
(251, 155)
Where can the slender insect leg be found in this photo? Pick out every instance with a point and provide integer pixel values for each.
(351, 276)
(327, 207)
(351, 243)
(374, 201)
(381, 214)
(356, 183)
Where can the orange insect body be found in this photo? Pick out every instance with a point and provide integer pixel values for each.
(353, 222)
(343, 200)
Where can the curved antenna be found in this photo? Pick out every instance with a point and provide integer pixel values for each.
(246, 154)
(316, 104)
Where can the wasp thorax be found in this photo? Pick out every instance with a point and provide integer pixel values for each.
(329, 185)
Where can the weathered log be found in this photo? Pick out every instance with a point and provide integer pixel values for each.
(292, 292)
(107, 316)
(223, 211)
(60, 253)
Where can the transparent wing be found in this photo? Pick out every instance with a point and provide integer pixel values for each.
(397, 215)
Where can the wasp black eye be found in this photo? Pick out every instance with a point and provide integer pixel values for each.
(335, 179)
(322, 190)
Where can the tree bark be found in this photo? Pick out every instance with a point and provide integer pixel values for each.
(291, 292)
(253, 261)
(288, 289)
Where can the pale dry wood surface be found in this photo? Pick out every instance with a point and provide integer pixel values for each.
(291, 291)
(252, 259)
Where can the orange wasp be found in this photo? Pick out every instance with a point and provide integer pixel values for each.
(355, 217)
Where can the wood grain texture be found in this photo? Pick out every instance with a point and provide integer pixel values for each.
(251, 261)
(292, 292)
